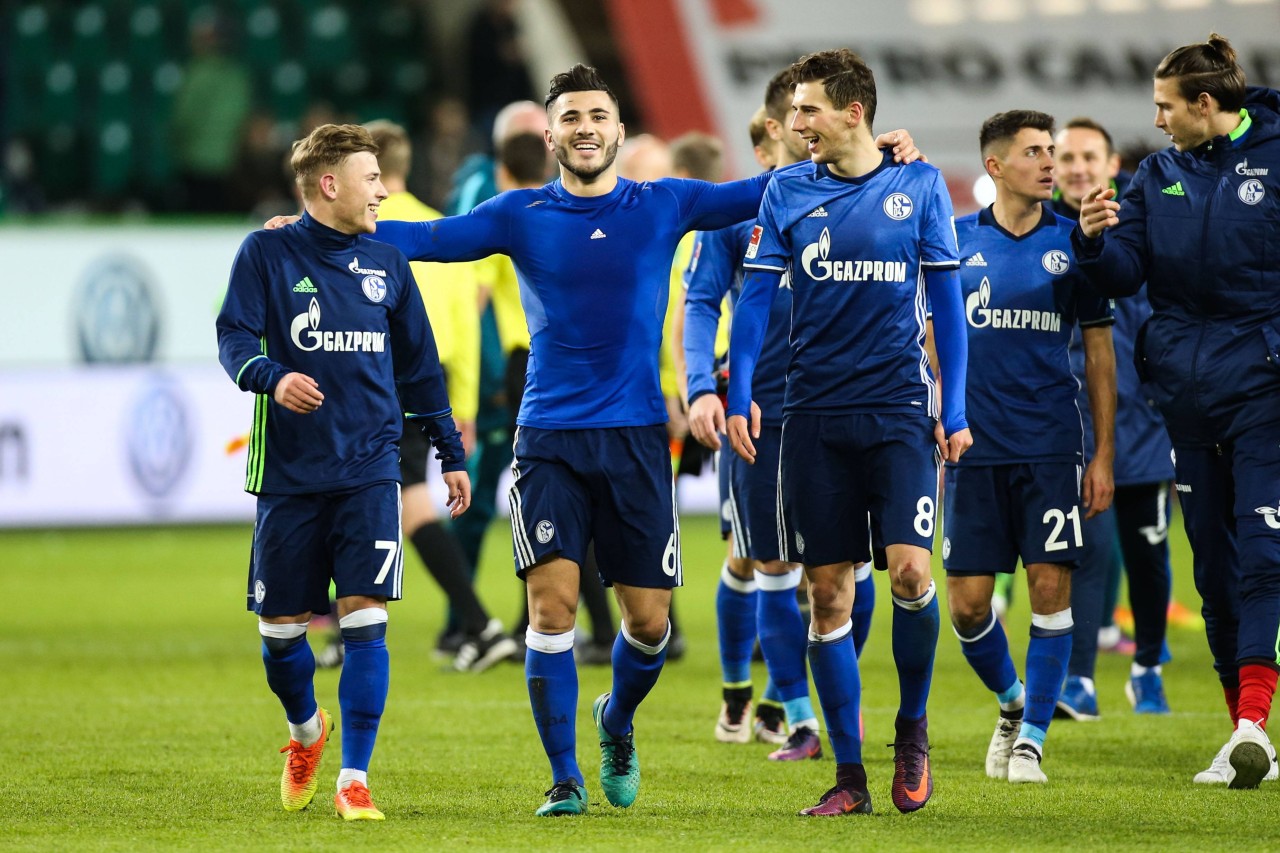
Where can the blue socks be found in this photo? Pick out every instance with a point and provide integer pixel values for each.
(736, 623)
(915, 641)
(987, 651)
(635, 670)
(362, 688)
(290, 666)
(553, 695)
(782, 639)
(864, 604)
(835, 673)
(1047, 655)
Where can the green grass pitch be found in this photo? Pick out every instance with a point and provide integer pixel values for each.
(136, 716)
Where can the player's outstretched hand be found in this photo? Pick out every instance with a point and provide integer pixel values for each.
(1097, 488)
(741, 433)
(1098, 211)
(953, 446)
(706, 420)
(459, 492)
(904, 147)
(298, 393)
(280, 221)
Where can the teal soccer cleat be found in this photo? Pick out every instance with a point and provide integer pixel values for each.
(619, 764)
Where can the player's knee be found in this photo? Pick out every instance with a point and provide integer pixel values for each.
(364, 625)
(824, 596)
(650, 628)
(742, 568)
(279, 639)
(910, 578)
(550, 615)
(969, 616)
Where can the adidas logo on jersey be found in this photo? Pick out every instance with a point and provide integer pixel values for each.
(1176, 189)
(976, 261)
(598, 235)
(821, 211)
(305, 286)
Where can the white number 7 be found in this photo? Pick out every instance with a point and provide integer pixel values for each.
(392, 547)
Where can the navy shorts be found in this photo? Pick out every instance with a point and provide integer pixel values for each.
(753, 500)
(995, 514)
(613, 487)
(724, 471)
(835, 469)
(301, 542)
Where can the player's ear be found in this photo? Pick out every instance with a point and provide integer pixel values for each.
(993, 166)
(622, 132)
(853, 114)
(329, 185)
(546, 137)
(1113, 164)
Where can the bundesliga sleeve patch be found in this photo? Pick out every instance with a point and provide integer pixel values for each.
(754, 246)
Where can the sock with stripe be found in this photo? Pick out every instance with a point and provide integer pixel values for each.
(736, 625)
(782, 639)
(291, 667)
(1047, 654)
(362, 687)
(636, 668)
(987, 651)
(552, 679)
(835, 674)
(915, 642)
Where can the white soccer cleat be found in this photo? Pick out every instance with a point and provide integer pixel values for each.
(1024, 766)
(1219, 771)
(731, 730)
(1250, 754)
(1001, 747)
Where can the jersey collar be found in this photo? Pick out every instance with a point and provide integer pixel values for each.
(987, 216)
(326, 236)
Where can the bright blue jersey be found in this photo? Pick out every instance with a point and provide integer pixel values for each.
(716, 272)
(594, 276)
(856, 251)
(345, 311)
(1023, 296)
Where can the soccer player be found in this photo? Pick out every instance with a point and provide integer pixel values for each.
(1143, 471)
(328, 329)
(769, 580)
(593, 253)
(1197, 224)
(1019, 492)
(864, 242)
(449, 292)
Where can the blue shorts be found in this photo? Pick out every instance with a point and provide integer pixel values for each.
(301, 542)
(612, 486)
(995, 514)
(724, 470)
(754, 499)
(835, 469)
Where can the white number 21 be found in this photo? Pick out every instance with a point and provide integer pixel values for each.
(1059, 520)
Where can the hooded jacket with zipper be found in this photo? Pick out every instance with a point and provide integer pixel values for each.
(1202, 228)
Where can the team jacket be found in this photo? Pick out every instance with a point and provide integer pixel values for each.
(1202, 228)
(343, 310)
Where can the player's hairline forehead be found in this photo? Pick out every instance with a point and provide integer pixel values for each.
(554, 107)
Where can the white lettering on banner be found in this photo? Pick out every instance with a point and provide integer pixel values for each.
(940, 67)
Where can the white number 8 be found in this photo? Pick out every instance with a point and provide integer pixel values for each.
(924, 516)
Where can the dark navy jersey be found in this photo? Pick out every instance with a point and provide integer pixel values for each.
(594, 277)
(714, 273)
(1023, 296)
(856, 251)
(345, 311)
